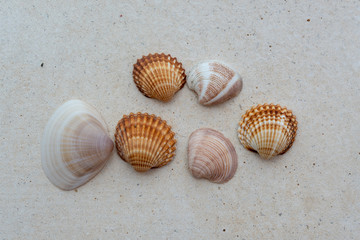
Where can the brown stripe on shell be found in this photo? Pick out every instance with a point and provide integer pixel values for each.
(217, 84)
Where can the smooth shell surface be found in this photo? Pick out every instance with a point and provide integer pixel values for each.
(75, 145)
(145, 141)
(267, 129)
(211, 156)
(214, 82)
(159, 76)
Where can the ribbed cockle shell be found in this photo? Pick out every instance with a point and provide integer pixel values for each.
(211, 156)
(145, 141)
(267, 129)
(159, 76)
(214, 82)
(75, 145)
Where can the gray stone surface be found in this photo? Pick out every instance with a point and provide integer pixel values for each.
(300, 54)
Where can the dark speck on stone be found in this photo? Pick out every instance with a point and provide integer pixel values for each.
(308, 20)
(224, 230)
(42, 65)
(280, 214)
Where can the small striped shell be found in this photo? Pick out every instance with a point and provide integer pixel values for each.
(75, 145)
(267, 129)
(211, 156)
(214, 82)
(145, 141)
(159, 76)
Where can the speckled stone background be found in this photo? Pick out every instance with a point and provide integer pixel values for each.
(301, 54)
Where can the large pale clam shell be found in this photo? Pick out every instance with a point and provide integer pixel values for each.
(211, 156)
(145, 141)
(75, 145)
(214, 82)
(159, 76)
(267, 129)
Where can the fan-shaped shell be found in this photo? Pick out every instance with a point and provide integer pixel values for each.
(145, 141)
(211, 156)
(214, 82)
(75, 145)
(159, 76)
(267, 129)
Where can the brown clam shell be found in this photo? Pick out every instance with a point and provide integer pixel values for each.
(159, 76)
(211, 155)
(145, 141)
(268, 129)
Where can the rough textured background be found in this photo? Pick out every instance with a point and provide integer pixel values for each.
(300, 54)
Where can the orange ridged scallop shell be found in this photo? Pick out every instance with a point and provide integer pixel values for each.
(268, 129)
(159, 76)
(145, 141)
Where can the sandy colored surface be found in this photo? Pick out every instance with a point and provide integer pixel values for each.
(302, 55)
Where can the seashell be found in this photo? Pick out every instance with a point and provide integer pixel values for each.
(267, 129)
(214, 82)
(159, 76)
(145, 141)
(211, 156)
(75, 145)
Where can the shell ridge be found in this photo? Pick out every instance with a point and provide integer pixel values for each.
(207, 166)
(229, 86)
(166, 150)
(162, 149)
